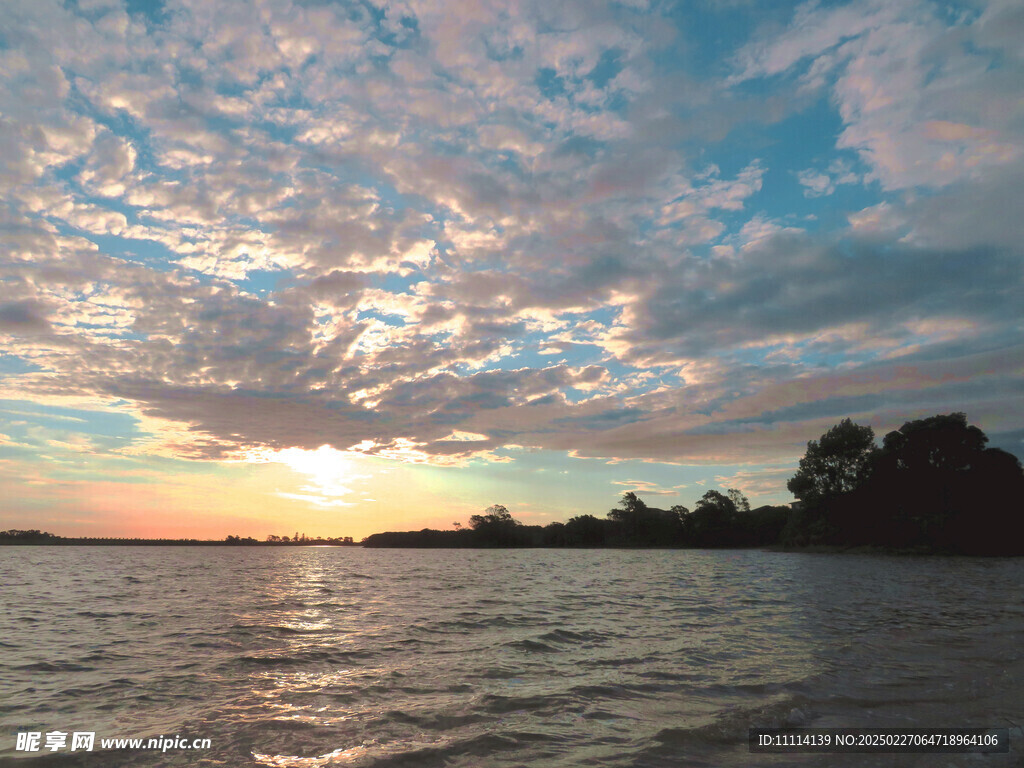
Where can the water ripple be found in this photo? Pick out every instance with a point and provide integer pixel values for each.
(349, 657)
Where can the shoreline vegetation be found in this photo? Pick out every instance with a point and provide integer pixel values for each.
(35, 537)
(931, 487)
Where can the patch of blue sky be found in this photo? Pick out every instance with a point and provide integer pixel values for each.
(533, 484)
(152, 10)
(385, 31)
(11, 365)
(608, 66)
(394, 282)
(550, 84)
(112, 424)
(502, 52)
(222, 124)
(803, 142)
(130, 212)
(527, 355)
(263, 281)
(590, 485)
(451, 143)
(712, 32)
(69, 171)
(284, 133)
(506, 160)
(119, 121)
(350, 172)
(603, 315)
(505, 363)
(653, 371)
(149, 253)
(579, 146)
(121, 334)
(392, 319)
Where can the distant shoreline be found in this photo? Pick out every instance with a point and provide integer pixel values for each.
(51, 540)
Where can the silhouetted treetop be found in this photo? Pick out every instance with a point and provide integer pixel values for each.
(496, 515)
(630, 506)
(939, 443)
(835, 464)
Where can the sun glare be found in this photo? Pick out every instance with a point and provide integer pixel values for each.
(329, 472)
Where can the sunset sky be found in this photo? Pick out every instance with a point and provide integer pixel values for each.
(346, 267)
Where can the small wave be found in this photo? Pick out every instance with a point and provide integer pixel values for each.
(501, 705)
(600, 691)
(512, 621)
(437, 721)
(568, 636)
(705, 744)
(733, 725)
(499, 673)
(62, 666)
(624, 661)
(679, 677)
(291, 629)
(447, 752)
(450, 627)
(533, 646)
(300, 658)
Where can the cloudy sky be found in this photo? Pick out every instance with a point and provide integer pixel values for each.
(342, 267)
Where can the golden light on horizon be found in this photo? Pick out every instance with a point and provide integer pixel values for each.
(329, 473)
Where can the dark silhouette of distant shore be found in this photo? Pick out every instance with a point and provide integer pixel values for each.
(931, 487)
(34, 537)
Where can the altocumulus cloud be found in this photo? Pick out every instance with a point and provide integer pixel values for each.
(376, 226)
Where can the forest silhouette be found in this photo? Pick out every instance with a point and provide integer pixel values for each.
(931, 486)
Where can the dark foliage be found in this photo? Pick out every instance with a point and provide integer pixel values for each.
(718, 521)
(40, 537)
(14, 536)
(634, 524)
(932, 486)
(835, 464)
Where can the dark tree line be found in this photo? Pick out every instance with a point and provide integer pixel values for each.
(41, 537)
(717, 520)
(931, 485)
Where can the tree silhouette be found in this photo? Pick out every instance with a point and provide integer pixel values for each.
(712, 521)
(936, 484)
(933, 485)
(496, 527)
(739, 501)
(630, 507)
(586, 530)
(494, 515)
(635, 524)
(835, 464)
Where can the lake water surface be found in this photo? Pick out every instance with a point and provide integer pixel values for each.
(349, 657)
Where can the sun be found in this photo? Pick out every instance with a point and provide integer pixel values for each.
(328, 472)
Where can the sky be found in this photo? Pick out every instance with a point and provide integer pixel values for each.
(347, 267)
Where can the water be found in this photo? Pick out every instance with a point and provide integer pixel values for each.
(347, 657)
